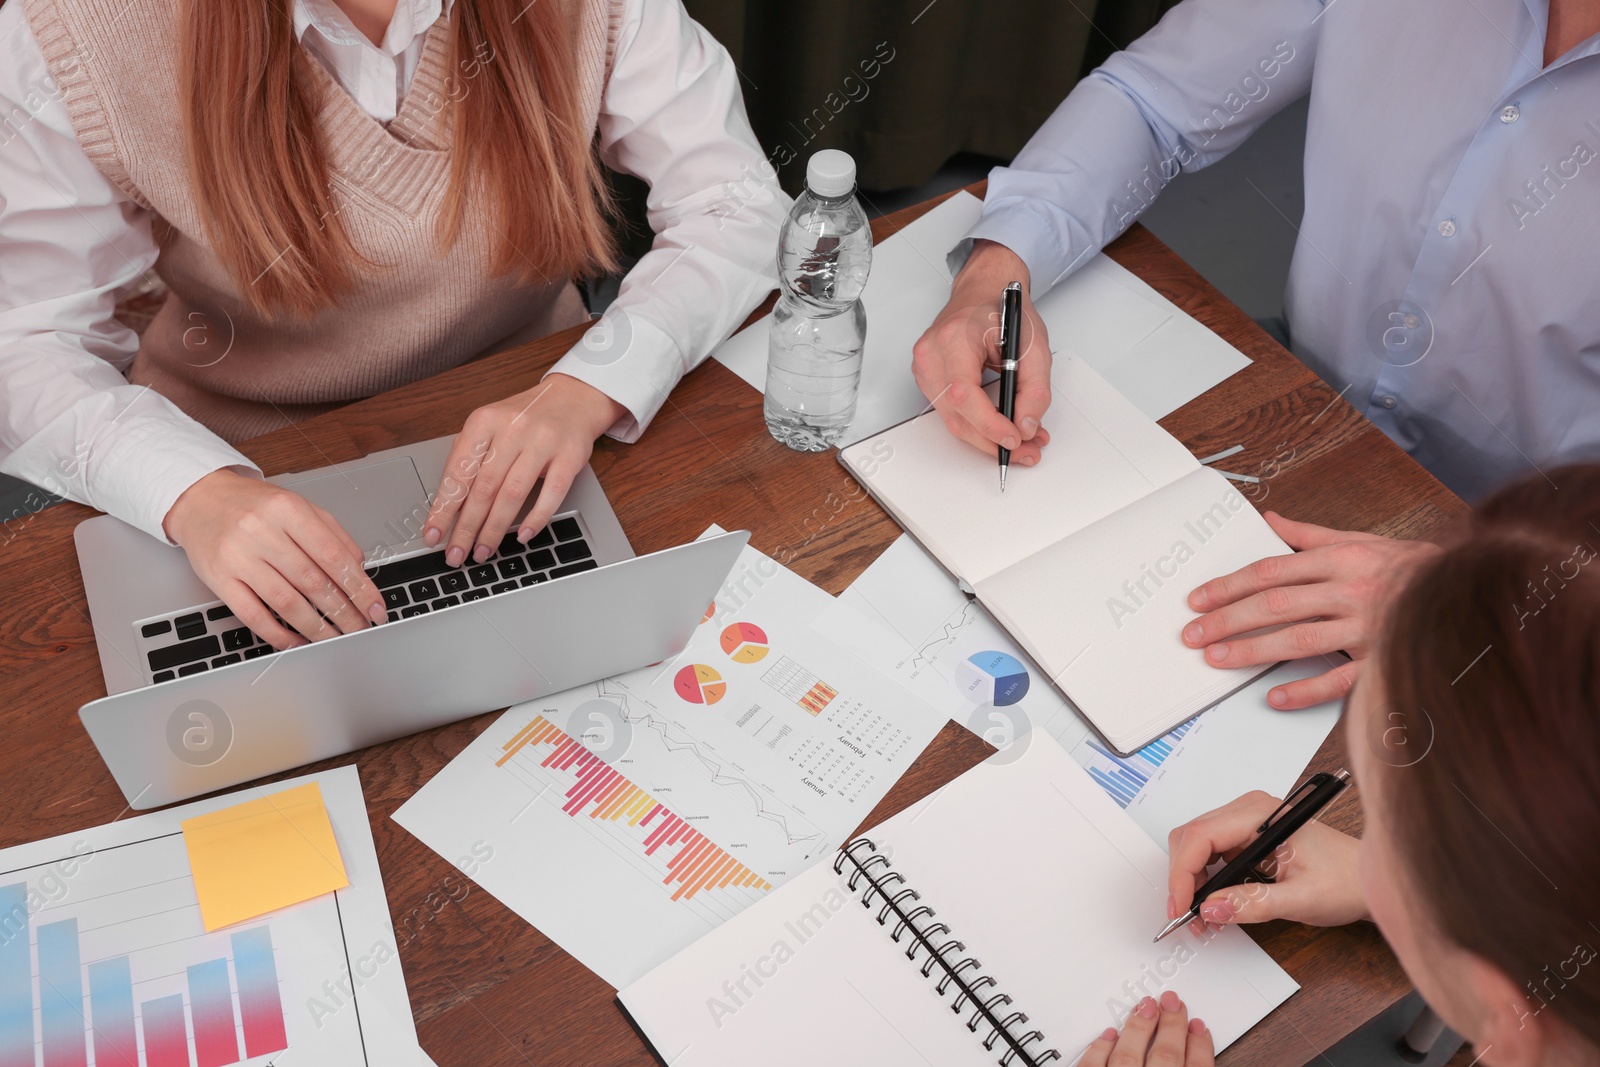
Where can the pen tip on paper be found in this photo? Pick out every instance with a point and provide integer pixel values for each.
(1002, 479)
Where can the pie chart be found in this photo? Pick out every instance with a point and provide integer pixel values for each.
(992, 678)
(744, 642)
(699, 684)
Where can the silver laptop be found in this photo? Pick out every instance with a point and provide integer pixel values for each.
(198, 702)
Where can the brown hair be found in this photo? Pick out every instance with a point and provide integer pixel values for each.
(1491, 662)
(521, 152)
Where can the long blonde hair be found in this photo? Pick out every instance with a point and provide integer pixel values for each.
(521, 151)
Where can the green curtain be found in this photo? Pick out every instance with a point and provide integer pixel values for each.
(904, 85)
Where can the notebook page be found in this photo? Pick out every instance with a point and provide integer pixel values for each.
(1042, 877)
(1102, 611)
(1103, 455)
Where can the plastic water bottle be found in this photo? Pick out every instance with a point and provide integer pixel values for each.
(819, 325)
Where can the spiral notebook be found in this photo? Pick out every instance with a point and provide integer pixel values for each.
(1005, 919)
(1088, 558)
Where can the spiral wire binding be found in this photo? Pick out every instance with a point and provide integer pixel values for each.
(962, 974)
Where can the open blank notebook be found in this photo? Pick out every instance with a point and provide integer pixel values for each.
(1020, 896)
(1088, 558)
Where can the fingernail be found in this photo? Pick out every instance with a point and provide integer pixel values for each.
(1108, 1034)
(431, 535)
(1277, 698)
(1217, 911)
(1218, 652)
(1192, 633)
(482, 552)
(1199, 599)
(1009, 443)
(1172, 906)
(525, 534)
(376, 613)
(1030, 426)
(1147, 1008)
(456, 556)
(1170, 1001)
(1196, 1027)
(1028, 461)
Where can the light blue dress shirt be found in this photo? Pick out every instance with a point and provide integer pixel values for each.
(1446, 280)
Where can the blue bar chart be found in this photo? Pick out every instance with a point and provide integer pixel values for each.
(1125, 778)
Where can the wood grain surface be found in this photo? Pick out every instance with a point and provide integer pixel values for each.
(487, 988)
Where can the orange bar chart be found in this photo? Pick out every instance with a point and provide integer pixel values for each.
(697, 864)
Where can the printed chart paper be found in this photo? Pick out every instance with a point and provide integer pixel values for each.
(630, 816)
(127, 975)
(994, 689)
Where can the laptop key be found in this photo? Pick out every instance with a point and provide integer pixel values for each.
(193, 668)
(482, 574)
(567, 529)
(503, 587)
(543, 539)
(189, 626)
(258, 651)
(541, 560)
(513, 566)
(184, 652)
(453, 582)
(446, 602)
(229, 660)
(236, 640)
(473, 594)
(405, 571)
(164, 676)
(509, 545)
(395, 598)
(535, 579)
(156, 629)
(221, 611)
(413, 610)
(573, 552)
(394, 616)
(424, 590)
(574, 568)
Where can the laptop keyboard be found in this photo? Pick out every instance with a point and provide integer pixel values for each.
(209, 636)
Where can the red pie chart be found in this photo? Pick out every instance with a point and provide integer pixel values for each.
(699, 684)
(744, 642)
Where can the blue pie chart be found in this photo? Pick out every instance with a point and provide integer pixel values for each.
(992, 678)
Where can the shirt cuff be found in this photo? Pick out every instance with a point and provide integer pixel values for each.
(1027, 233)
(629, 359)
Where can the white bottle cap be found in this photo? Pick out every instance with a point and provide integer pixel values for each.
(831, 173)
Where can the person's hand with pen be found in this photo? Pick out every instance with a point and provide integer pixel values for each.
(949, 359)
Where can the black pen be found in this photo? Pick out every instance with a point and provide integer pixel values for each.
(1010, 334)
(1319, 790)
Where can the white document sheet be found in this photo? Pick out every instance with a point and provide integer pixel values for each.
(1148, 348)
(629, 817)
(988, 684)
(317, 983)
(1035, 871)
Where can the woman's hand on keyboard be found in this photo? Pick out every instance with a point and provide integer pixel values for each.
(1327, 597)
(266, 551)
(1157, 1031)
(502, 451)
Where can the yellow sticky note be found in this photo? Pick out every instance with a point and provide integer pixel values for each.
(263, 855)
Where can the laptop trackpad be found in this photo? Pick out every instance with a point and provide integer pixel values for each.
(381, 505)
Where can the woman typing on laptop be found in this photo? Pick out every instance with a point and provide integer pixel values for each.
(1474, 737)
(343, 196)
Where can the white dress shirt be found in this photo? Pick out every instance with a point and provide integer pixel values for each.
(1446, 280)
(71, 244)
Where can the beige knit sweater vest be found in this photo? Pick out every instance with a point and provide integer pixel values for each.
(423, 309)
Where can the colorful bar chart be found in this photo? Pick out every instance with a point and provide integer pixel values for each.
(70, 1023)
(1125, 778)
(796, 683)
(696, 866)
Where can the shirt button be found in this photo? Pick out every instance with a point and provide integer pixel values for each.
(1388, 402)
(1510, 113)
(1447, 228)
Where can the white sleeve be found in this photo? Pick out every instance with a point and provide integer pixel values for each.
(70, 241)
(673, 116)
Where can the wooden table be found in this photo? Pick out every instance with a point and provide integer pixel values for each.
(486, 987)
